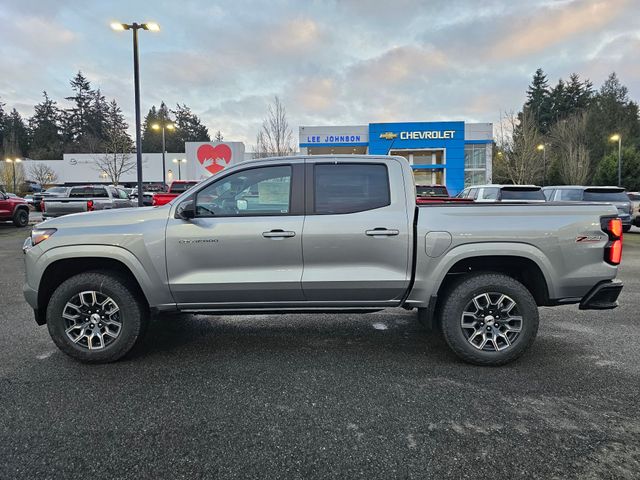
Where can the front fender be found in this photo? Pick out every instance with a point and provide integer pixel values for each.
(154, 287)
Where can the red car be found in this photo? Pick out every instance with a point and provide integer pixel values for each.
(14, 209)
(436, 194)
(176, 188)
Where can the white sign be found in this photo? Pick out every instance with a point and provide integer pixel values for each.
(209, 158)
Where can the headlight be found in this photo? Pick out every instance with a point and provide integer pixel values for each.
(40, 235)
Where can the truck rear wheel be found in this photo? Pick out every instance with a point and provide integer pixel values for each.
(96, 317)
(489, 319)
(21, 218)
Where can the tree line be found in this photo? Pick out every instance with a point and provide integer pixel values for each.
(562, 135)
(90, 124)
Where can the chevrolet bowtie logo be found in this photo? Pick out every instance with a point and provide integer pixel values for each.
(388, 135)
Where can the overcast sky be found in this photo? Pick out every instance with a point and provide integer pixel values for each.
(332, 62)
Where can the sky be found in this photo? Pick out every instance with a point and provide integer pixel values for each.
(340, 62)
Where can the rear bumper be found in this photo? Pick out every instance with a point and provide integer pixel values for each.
(603, 296)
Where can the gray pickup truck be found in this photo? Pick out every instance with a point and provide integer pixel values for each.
(87, 198)
(321, 234)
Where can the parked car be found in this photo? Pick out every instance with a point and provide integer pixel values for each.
(147, 194)
(635, 207)
(14, 209)
(86, 199)
(49, 192)
(435, 194)
(336, 233)
(29, 186)
(580, 193)
(176, 188)
(503, 193)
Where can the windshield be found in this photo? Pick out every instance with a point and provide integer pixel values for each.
(522, 194)
(605, 196)
(433, 191)
(56, 190)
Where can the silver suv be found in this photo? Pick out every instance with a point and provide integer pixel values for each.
(578, 193)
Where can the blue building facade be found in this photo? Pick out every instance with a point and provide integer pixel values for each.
(456, 154)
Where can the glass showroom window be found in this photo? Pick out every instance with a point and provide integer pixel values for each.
(475, 164)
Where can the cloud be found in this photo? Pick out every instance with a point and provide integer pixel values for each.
(552, 26)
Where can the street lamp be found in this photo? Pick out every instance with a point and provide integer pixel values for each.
(153, 27)
(179, 161)
(618, 138)
(542, 147)
(13, 162)
(168, 126)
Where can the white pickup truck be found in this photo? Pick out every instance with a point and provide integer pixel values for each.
(321, 234)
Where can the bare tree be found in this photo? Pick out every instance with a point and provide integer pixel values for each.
(275, 138)
(518, 159)
(569, 141)
(117, 159)
(42, 173)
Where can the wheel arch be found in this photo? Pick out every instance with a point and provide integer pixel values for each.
(63, 269)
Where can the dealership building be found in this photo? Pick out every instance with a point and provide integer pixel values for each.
(455, 154)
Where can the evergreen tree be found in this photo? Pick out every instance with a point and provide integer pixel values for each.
(117, 158)
(152, 139)
(15, 142)
(75, 121)
(612, 112)
(218, 137)
(539, 101)
(93, 138)
(44, 126)
(189, 128)
(2, 128)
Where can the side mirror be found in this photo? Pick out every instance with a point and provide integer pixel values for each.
(242, 204)
(186, 210)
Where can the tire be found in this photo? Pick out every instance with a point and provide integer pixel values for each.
(21, 218)
(482, 293)
(626, 228)
(108, 341)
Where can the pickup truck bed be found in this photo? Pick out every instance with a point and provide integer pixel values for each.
(334, 233)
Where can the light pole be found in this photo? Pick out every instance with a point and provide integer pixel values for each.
(618, 138)
(13, 162)
(543, 147)
(154, 27)
(168, 126)
(179, 161)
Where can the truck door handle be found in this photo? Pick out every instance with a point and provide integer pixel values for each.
(382, 232)
(278, 233)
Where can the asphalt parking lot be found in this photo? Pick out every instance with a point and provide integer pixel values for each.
(321, 396)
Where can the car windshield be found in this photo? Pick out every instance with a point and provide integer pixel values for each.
(522, 194)
(431, 191)
(602, 195)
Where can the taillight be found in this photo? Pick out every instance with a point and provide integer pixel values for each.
(615, 227)
(89, 205)
(613, 248)
(42, 205)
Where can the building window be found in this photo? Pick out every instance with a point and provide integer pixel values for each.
(475, 164)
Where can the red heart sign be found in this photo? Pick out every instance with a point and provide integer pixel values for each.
(214, 159)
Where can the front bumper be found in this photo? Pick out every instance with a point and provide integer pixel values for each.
(603, 296)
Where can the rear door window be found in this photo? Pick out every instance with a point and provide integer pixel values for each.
(490, 193)
(568, 195)
(349, 188)
(522, 194)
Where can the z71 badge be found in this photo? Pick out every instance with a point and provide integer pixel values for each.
(589, 238)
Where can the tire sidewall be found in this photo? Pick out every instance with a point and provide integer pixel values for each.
(464, 292)
(131, 316)
(21, 218)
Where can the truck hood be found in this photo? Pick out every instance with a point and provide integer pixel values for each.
(107, 218)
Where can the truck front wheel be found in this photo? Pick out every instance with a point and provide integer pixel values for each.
(489, 319)
(96, 317)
